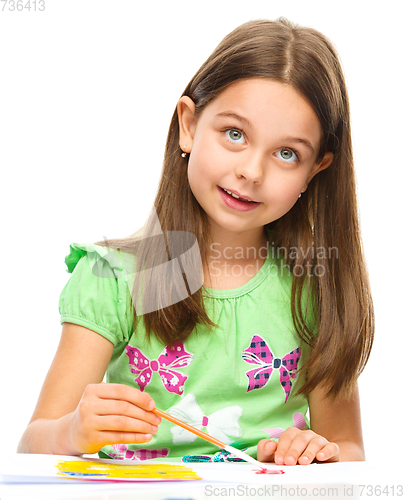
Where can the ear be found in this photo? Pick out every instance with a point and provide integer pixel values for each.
(324, 163)
(187, 123)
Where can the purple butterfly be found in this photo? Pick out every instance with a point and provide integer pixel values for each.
(259, 353)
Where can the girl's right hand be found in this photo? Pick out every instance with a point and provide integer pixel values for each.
(76, 412)
(111, 414)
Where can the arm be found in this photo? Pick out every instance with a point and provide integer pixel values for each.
(76, 413)
(339, 423)
(335, 434)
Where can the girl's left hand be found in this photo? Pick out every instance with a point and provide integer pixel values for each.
(297, 447)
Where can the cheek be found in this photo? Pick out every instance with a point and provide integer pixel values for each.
(198, 178)
(287, 191)
(282, 199)
(204, 166)
(195, 172)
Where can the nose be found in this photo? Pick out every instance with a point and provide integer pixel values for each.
(251, 168)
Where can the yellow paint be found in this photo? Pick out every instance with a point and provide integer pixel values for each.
(86, 469)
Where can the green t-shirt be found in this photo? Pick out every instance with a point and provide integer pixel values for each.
(236, 382)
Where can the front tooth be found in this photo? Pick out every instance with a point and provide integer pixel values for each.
(232, 194)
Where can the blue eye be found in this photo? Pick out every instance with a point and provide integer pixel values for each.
(234, 135)
(287, 154)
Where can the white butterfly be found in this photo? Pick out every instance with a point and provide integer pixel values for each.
(220, 424)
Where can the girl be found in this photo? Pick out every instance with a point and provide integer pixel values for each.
(270, 319)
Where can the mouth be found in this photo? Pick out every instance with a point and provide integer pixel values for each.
(238, 196)
(237, 202)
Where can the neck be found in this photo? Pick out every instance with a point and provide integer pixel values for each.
(243, 246)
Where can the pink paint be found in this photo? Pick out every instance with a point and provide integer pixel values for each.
(205, 421)
(268, 471)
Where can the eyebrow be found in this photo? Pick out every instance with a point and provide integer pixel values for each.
(301, 141)
(229, 114)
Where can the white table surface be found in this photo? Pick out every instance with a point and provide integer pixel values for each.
(230, 480)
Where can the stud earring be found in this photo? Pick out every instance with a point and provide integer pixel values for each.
(183, 154)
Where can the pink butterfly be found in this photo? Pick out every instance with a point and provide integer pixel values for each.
(171, 357)
(259, 353)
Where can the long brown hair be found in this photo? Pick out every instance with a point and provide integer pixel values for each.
(325, 217)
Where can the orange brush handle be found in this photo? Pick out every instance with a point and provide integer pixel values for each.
(190, 428)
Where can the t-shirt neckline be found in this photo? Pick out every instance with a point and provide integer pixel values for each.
(241, 290)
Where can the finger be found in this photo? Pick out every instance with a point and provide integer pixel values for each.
(107, 438)
(316, 444)
(284, 445)
(330, 453)
(119, 407)
(125, 393)
(121, 423)
(299, 444)
(265, 450)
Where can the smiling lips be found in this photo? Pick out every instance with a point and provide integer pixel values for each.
(238, 196)
(234, 201)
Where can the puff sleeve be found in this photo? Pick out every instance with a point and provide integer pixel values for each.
(97, 295)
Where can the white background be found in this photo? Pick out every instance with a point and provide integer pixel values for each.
(87, 91)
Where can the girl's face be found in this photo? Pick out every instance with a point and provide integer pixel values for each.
(258, 139)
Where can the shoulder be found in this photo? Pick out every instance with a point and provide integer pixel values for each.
(96, 295)
(103, 262)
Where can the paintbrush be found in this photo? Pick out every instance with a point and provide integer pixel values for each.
(207, 437)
